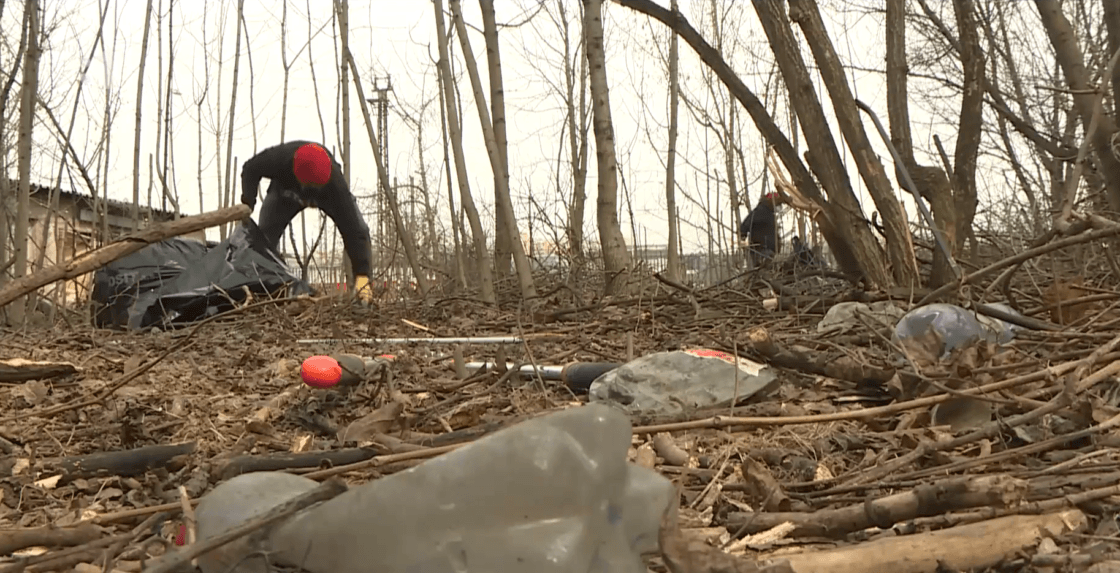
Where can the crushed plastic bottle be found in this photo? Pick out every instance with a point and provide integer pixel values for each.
(669, 382)
(554, 494)
(956, 327)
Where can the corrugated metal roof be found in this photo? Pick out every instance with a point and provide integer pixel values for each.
(115, 207)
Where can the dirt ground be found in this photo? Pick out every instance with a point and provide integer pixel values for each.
(834, 465)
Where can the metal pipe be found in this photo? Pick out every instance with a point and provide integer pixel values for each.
(546, 372)
(429, 340)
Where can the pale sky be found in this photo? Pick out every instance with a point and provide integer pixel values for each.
(398, 38)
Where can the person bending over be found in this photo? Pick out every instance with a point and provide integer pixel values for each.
(760, 228)
(303, 174)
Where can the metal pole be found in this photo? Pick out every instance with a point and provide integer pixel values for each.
(428, 340)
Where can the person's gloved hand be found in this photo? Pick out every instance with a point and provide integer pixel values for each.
(363, 289)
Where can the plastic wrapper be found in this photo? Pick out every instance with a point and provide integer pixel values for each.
(670, 382)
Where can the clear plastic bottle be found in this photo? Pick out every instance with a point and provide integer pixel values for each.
(550, 495)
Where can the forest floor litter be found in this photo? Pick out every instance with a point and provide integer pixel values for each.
(843, 463)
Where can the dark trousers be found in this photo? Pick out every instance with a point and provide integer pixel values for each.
(280, 206)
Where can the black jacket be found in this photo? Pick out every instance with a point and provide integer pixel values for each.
(333, 199)
(761, 227)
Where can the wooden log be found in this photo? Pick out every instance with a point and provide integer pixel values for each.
(972, 547)
(925, 500)
(92, 260)
(20, 370)
(12, 540)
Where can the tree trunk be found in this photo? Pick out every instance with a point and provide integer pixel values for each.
(899, 250)
(229, 184)
(1112, 26)
(616, 259)
(971, 121)
(29, 89)
(932, 182)
(7, 196)
(674, 262)
(503, 202)
(1072, 62)
(898, 112)
(823, 154)
(577, 140)
(139, 100)
(410, 251)
(456, 230)
(287, 68)
(482, 254)
(342, 14)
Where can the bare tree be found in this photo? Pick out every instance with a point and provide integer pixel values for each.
(139, 106)
(970, 123)
(229, 184)
(577, 135)
(848, 235)
(1072, 62)
(6, 195)
(28, 91)
(674, 262)
(507, 223)
(65, 139)
(403, 234)
(170, 195)
(616, 259)
(932, 182)
(482, 254)
(899, 250)
(457, 235)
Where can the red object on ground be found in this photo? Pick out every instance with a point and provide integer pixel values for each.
(320, 372)
(181, 537)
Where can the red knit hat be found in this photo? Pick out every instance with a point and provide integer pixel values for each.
(312, 165)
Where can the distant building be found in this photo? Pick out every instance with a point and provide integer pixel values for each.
(74, 229)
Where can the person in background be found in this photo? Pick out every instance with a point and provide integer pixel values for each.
(802, 254)
(760, 229)
(303, 174)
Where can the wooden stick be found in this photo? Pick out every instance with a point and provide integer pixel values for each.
(99, 257)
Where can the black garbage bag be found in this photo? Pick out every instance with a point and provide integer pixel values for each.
(179, 281)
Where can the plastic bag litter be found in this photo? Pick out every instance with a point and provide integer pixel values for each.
(179, 281)
(670, 382)
(844, 316)
(550, 495)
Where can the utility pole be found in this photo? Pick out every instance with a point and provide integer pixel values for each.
(382, 85)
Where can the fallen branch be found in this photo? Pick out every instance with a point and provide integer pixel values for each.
(233, 467)
(123, 463)
(104, 547)
(20, 370)
(173, 561)
(99, 257)
(922, 501)
(973, 547)
(12, 540)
